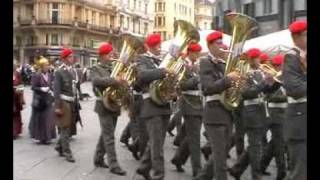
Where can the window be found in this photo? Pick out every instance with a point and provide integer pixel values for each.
(164, 6)
(175, 7)
(47, 39)
(249, 9)
(267, 6)
(55, 6)
(18, 41)
(205, 26)
(54, 39)
(134, 4)
(139, 5)
(145, 28)
(165, 35)
(146, 8)
(93, 18)
(159, 21)
(128, 22)
(155, 7)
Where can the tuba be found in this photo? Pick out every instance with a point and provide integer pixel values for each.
(243, 26)
(124, 67)
(164, 90)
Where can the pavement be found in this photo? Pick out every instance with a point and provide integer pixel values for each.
(41, 162)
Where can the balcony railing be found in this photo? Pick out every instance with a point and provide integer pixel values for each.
(67, 22)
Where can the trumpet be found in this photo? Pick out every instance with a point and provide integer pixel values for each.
(270, 70)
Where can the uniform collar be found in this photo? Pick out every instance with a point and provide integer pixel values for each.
(214, 59)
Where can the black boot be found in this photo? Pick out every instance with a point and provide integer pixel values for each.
(134, 150)
(143, 174)
(235, 175)
(266, 173)
(178, 165)
(118, 171)
(59, 150)
(70, 158)
(101, 164)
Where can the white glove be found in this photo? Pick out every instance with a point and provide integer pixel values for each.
(44, 89)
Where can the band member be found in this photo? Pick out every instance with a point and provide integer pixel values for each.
(254, 116)
(156, 117)
(190, 105)
(18, 101)
(277, 104)
(42, 126)
(64, 102)
(264, 59)
(108, 120)
(295, 84)
(217, 119)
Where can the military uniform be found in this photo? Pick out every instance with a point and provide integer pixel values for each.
(277, 104)
(155, 117)
(295, 124)
(217, 119)
(253, 115)
(191, 109)
(64, 95)
(100, 76)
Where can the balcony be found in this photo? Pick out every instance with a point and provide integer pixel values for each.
(24, 22)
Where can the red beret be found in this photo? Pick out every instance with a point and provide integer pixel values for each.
(277, 59)
(263, 57)
(195, 47)
(105, 48)
(153, 39)
(253, 53)
(214, 36)
(298, 26)
(65, 52)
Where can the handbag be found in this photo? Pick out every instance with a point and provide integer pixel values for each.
(39, 103)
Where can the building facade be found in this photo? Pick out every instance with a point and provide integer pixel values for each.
(135, 16)
(44, 27)
(272, 15)
(166, 12)
(203, 14)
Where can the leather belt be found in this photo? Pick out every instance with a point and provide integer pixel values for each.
(146, 95)
(192, 92)
(295, 101)
(253, 101)
(67, 98)
(215, 97)
(136, 92)
(277, 105)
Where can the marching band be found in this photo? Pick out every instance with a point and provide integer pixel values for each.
(230, 93)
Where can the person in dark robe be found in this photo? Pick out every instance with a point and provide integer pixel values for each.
(18, 101)
(42, 125)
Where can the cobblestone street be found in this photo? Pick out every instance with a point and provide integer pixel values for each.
(41, 162)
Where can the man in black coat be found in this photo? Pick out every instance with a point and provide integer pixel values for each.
(190, 105)
(108, 118)
(217, 119)
(155, 117)
(295, 84)
(65, 102)
(277, 104)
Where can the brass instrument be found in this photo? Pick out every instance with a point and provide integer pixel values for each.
(270, 70)
(124, 67)
(164, 90)
(243, 26)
